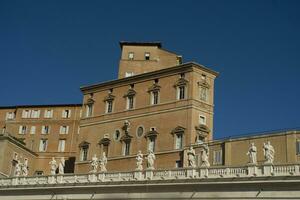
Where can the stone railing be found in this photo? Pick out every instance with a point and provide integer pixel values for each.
(169, 174)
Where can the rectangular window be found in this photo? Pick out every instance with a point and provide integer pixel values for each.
(203, 93)
(10, 115)
(32, 129)
(43, 145)
(89, 110)
(35, 114)
(155, 97)
(178, 164)
(126, 149)
(130, 102)
(151, 145)
(64, 130)
(26, 113)
(181, 92)
(128, 74)
(202, 119)
(22, 130)
(178, 141)
(84, 153)
(61, 145)
(130, 56)
(66, 113)
(45, 129)
(298, 147)
(105, 149)
(48, 114)
(218, 157)
(109, 105)
(147, 56)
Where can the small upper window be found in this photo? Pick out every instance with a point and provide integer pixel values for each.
(298, 147)
(128, 74)
(202, 119)
(147, 56)
(130, 55)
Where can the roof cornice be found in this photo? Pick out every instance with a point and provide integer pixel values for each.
(176, 69)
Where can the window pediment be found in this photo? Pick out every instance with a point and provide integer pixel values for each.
(126, 138)
(178, 130)
(203, 84)
(151, 134)
(104, 141)
(202, 130)
(130, 93)
(90, 101)
(109, 97)
(84, 144)
(155, 87)
(181, 82)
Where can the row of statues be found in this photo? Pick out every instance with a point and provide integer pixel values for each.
(21, 168)
(268, 150)
(191, 155)
(53, 166)
(95, 162)
(150, 160)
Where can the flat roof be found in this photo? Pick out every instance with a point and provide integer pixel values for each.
(130, 43)
(41, 105)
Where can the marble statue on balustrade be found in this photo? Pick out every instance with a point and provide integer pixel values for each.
(18, 169)
(53, 166)
(139, 161)
(205, 156)
(252, 153)
(269, 153)
(94, 164)
(191, 157)
(61, 166)
(150, 160)
(24, 168)
(103, 162)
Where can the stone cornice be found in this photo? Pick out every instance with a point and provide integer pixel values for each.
(186, 67)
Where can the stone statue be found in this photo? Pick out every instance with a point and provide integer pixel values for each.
(18, 169)
(61, 166)
(269, 152)
(126, 127)
(205, 156)
(252, 154)
(53, 166)
(94, 164)
(24, 168)
(150, 160)
(103, 162)
(139, 161)
(191, 157)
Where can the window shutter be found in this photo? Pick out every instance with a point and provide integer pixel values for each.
(20, 129)
(60, 130)
(43, 129)
(69, 113)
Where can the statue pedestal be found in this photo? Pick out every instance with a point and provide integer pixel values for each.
(15, 181)
(138, 175)
(252, 169)
(149, 174)
(268, 169)
(51, 180)
(101, 177)
(191, 173)
(92, 178)
(203, 172)
(60, 179)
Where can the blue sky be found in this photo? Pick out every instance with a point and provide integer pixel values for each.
(48, 49)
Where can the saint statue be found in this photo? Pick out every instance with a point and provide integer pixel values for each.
(61, 166)
(103, 163)
(205, 156)
(252, 154)
(24, 168)
(94, 164)
(191, 157)
(269, 152)
(139, 161)
(18, 169)
(53, 166)
(150, 160)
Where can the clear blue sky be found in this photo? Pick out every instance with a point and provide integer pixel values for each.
(48, 49)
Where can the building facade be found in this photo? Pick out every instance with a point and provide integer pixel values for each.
(157, 104)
